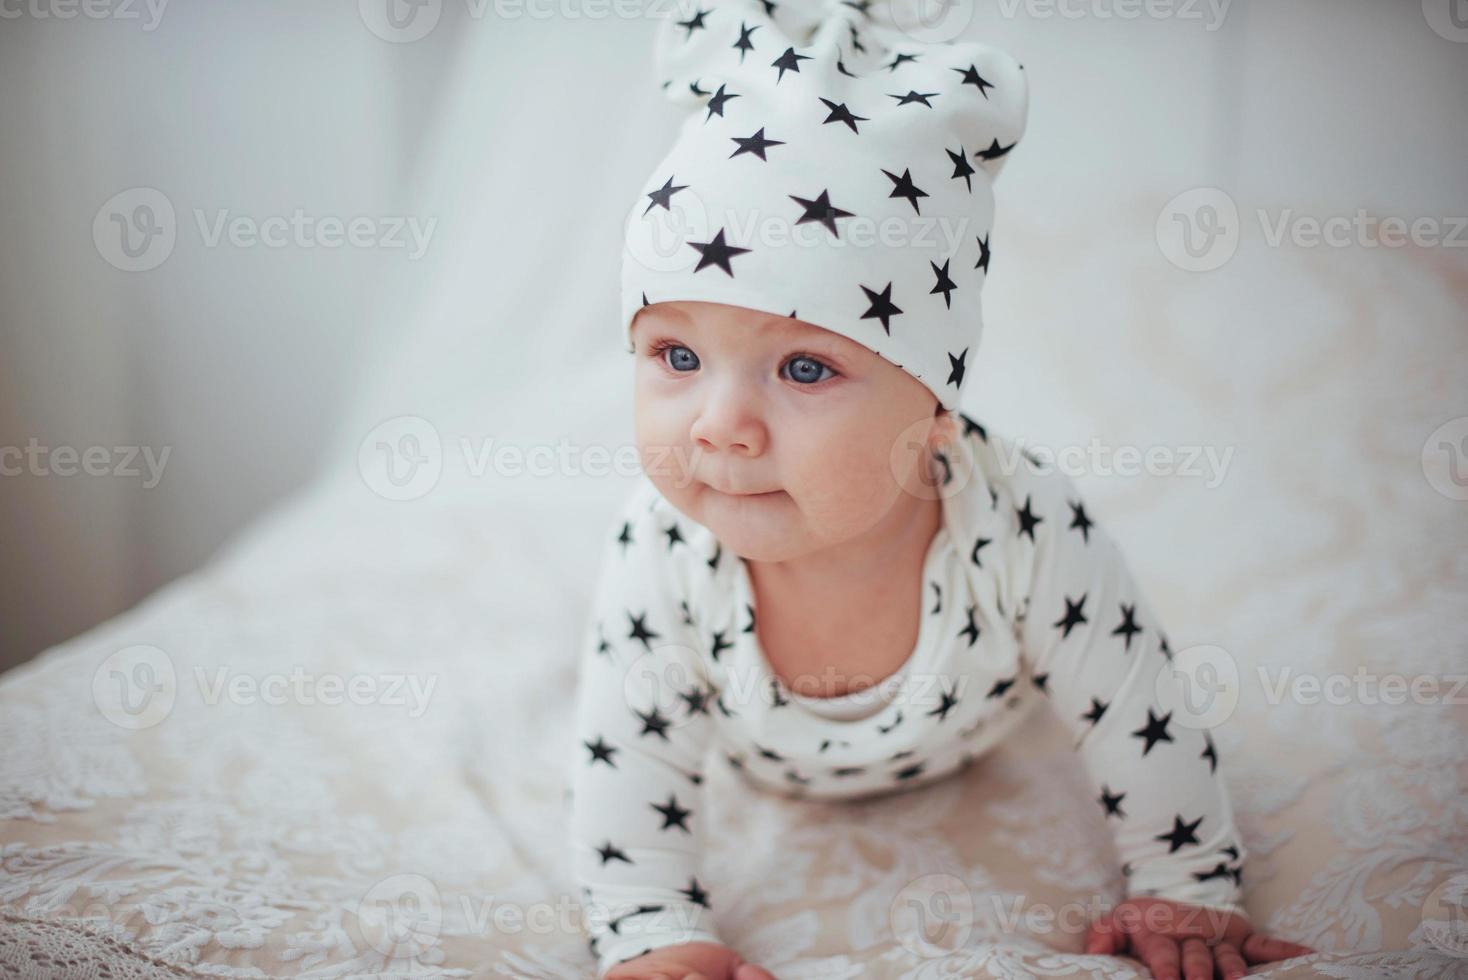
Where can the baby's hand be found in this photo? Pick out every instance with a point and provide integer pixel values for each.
(1161, 933)
(688, 961)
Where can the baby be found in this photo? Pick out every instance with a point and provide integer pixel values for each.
(830, 579)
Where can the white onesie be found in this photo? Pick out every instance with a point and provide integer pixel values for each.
(1026, 599)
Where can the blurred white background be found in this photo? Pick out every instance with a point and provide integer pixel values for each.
(516, 143)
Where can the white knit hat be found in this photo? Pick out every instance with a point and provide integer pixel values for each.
(835, 170)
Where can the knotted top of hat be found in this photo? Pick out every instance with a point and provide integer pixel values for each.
(833, 168)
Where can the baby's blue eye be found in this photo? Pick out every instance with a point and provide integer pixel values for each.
(686, 363)
(806, 370)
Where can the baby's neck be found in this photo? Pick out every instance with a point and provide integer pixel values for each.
(897, 543)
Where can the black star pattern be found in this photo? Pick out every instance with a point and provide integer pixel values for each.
(600, 752)
(610, 852)
(1079, 521)
(971, 628)
(1210, 753)
(640, 631)
(696, 894)
(694, 23)
(1112, 802)
(1075, 615)
(904, 187)
(881, 307)
(744, 44)
(1182, 833)
(956, 365)
(662, 196)
(1098, 708)
(944, 285)
(756, 144)
(899, 60)
(821, 209)
(716, 104)
(1027, 520)
(994, 152)
(675, 535)
(625, 538)
(789, 61)
(715, 252)
(947, 705)
(841, 114)
(1128, 627)
(1154, 731)
(921, 98)
(654, 723)
(972, 77)
(983, 262)
(979, 544)
(1001, 687)
(673, 814)
(961, 167)
(719, 645)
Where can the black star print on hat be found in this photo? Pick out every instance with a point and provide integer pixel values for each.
(744, 44)
(1182, 833)
(601, 752)
(921, 98)
(1074, 616)
(1128, 627)
(881, 307)
(944, 284)
(961, 167)
(904, 187)
(755, 144)
(673, 814)
(716, 252)
(663, 195)
(694, 23)
(972, 77)
(994, 151)
(1154, 731)
(957, 365)
(820, 210)
(983, 262)
(716, 103)
(789, 61)
(839, 113)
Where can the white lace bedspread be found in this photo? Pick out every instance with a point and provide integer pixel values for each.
(421, 835)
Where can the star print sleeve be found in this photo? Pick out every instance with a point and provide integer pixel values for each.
(636, 815)
(1094, 646)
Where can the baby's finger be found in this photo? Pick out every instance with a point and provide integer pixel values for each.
(1230, 963)
(1159, 952)
(1101, 937)
(1260, 948)
(1197, 960)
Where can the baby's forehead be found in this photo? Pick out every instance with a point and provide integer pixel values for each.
(707, 316)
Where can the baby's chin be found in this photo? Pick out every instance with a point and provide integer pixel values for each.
(763, 527)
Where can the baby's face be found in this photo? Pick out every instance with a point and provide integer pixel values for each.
(779, 436)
